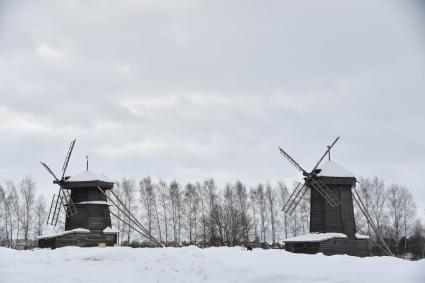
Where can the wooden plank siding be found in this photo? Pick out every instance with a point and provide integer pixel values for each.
(89, 216)
(340, 219)
(78, 239)
(327, 219)
(92, 216)
(353, 247)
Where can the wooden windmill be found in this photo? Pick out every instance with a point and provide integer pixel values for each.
(332, 223)
(86, 199)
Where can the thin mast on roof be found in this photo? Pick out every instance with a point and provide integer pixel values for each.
(87, 162)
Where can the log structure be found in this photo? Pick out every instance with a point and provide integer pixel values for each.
(85, 201)
(328, 220)
(91, 223)
(332, 224)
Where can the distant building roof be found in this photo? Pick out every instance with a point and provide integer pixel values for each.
(87, 176)
(360, 236)
(76, 230)
(109, 230)
(331, 169)
(315, 237)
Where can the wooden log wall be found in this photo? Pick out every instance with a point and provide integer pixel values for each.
(79, 239)
(89, 216)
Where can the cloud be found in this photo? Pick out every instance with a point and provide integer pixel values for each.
(193, 89)
(51, 53)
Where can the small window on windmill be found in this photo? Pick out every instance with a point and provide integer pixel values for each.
(334, 241)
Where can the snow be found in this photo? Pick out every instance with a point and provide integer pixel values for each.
(76, 230)
(87, 176)
(109, 230)
(360, 236)
(315, 237)
(191, 264)
(93, 202)
(331, 169)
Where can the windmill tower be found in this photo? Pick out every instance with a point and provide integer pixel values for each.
(86, 199)
(332, 224)
(87, 215)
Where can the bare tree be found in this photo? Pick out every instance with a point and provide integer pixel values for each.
(395, 213)
(408, 207)
(232, 217)
(27, 190)
(147, 197)
(373, 195)
(119, 224)
(203, 204)
(365, 192)
(253, 200)
(296, 219)
(175, 207)
(304, 213)
(40, 213)
(128, 187)
(191, 201)
(213, 209)
(163, 193)
(157, 218)
(261, 200)
(271, 202)
(378, 203)
(5, 205)
(242, 199)
(283, 197)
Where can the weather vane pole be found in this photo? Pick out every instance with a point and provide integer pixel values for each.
(87, 162)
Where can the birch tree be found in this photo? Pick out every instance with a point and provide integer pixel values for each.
(242, 199)
(272, 203)
(163, 195)
(40, 214)
(191, 201)
(128, 187)
(395, 214)
(147, 197)
(175, 207)
(408, 207)
(27, 190)
(283, 197)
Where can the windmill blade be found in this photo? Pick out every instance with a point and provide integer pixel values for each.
(291, 196)
(324, 191)
(290, 159)
(323, 156)
(49, 170)
(368, 218)
(68, 156)
(294, 199)
(297, 202)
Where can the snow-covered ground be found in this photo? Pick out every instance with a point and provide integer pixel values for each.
(191, 264)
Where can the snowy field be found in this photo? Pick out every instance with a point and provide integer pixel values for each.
(191, 264)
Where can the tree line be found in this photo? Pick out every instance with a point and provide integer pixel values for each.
(202, 214)
(22, 214)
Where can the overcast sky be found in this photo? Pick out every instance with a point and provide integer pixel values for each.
(197, 89)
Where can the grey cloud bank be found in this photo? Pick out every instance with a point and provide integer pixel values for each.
(195, 89)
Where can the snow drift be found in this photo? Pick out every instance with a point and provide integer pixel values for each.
(191, 264)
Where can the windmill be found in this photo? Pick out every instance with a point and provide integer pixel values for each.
(87, 199)
(63, 197)
(332, 223)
